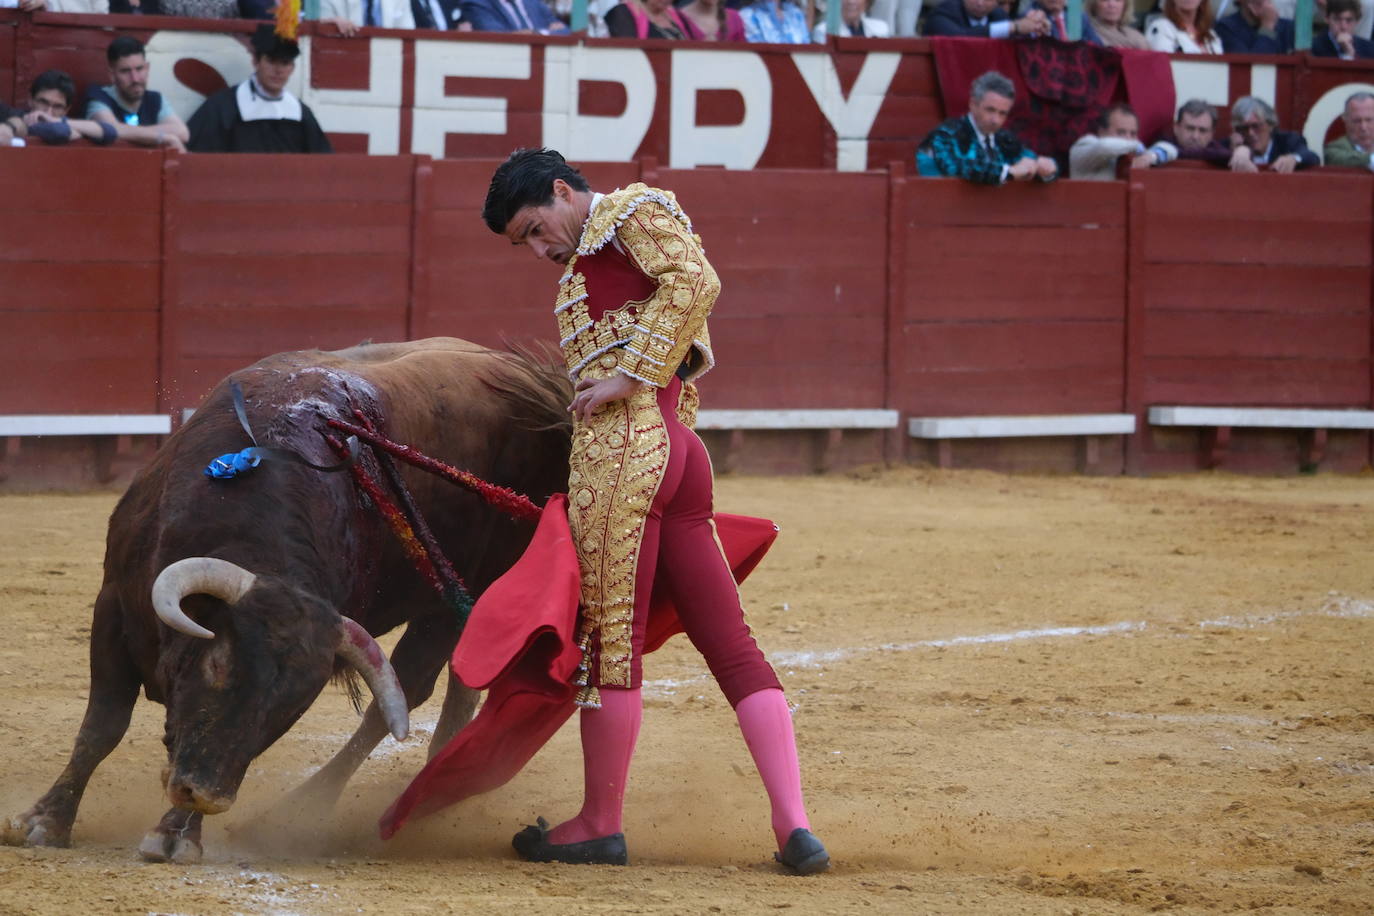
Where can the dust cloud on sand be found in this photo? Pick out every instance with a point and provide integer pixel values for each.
(1013, 695)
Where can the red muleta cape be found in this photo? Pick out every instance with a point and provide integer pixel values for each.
(520, 646)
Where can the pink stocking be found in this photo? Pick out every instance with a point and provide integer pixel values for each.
(766, 723)
(608, 743)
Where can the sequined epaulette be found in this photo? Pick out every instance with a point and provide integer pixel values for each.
(620, 205)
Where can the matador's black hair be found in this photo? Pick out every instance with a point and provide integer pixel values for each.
(526, 179)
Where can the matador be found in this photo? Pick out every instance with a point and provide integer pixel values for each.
(632, 308)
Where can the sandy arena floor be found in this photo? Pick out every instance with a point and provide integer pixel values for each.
(1014, 695)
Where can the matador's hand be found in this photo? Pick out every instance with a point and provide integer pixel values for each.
(592, 393)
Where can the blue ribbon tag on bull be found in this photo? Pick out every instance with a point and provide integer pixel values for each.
(233, 464)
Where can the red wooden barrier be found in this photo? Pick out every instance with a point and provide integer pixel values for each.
(79, 280)
(1015, 298)
(804, 273)
(268, 253)
(134, 281)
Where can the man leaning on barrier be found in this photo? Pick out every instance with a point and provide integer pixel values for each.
(976, 148)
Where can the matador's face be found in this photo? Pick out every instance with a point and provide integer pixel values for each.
(552, 230)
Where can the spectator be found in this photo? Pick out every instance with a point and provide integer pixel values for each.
(712, 20)
(1109, 21)
(976, 148)
(141, 8)
(128, 100)
(1185, 27)
(1340, 40)
(854, 22)
(1194, 133)
(1356, 148)
(520, 16)
(28, 6)
(1059, 26)
(51, 97)
(259, 115)
(350, 15)
(646, 19)
(1255, 28)
(779, 22)
(1093, 157)
(983, 19)
(201, 9)
(1262, 143)
(444, 15)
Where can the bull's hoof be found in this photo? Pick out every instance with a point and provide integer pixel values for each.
(31, 829)
(158, 846)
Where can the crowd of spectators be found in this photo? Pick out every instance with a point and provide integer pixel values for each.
(978, 147)
(1343, 28)
(261, 115)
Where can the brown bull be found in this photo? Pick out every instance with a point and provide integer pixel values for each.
(233, 602)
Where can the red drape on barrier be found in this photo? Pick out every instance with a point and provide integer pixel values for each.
(1061, 87)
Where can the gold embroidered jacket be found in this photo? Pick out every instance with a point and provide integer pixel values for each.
(657, 317)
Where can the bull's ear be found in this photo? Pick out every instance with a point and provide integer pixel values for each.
(197, 576)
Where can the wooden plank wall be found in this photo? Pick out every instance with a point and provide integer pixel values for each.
(1256, 292)
(804, 284)
(79, 281)
(475, 284)
(9, 24)
(931, 297)
(1014, 298)
(270, 253)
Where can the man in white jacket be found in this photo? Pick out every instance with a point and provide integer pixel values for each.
(1093, 157)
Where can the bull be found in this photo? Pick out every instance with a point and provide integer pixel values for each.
(234, 602)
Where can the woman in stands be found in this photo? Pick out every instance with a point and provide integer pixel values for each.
(711, 20)
(646, 19)
(1185, 27)
(1111, 25)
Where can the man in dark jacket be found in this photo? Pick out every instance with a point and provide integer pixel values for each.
(1255, 28)
(976, 148)
(1340, 40)
(982, 19)
(259, 115)
(1262, 143)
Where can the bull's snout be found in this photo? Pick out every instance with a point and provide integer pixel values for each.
(187, 795)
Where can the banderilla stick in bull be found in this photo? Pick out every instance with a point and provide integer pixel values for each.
(503, 498)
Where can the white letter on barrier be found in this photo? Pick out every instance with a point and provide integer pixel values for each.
(737, 146)
(852, 118)
(375, 111)
(596, 138)
(224, 54)
(436, 114)
(1195, 79)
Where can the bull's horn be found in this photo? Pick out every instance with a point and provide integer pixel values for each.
(359, 649)
(197, 576)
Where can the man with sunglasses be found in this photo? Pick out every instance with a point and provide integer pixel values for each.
(1260, 142)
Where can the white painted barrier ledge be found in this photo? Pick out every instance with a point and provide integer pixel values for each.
(797, 419)
(85, 424)
(1277, 417)
(1092, 424)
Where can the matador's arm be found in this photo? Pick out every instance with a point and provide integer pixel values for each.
(666, 250)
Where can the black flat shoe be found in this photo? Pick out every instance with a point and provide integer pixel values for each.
(532, 844)
(803, 853)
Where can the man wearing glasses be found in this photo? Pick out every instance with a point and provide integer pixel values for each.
(1262, 143)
